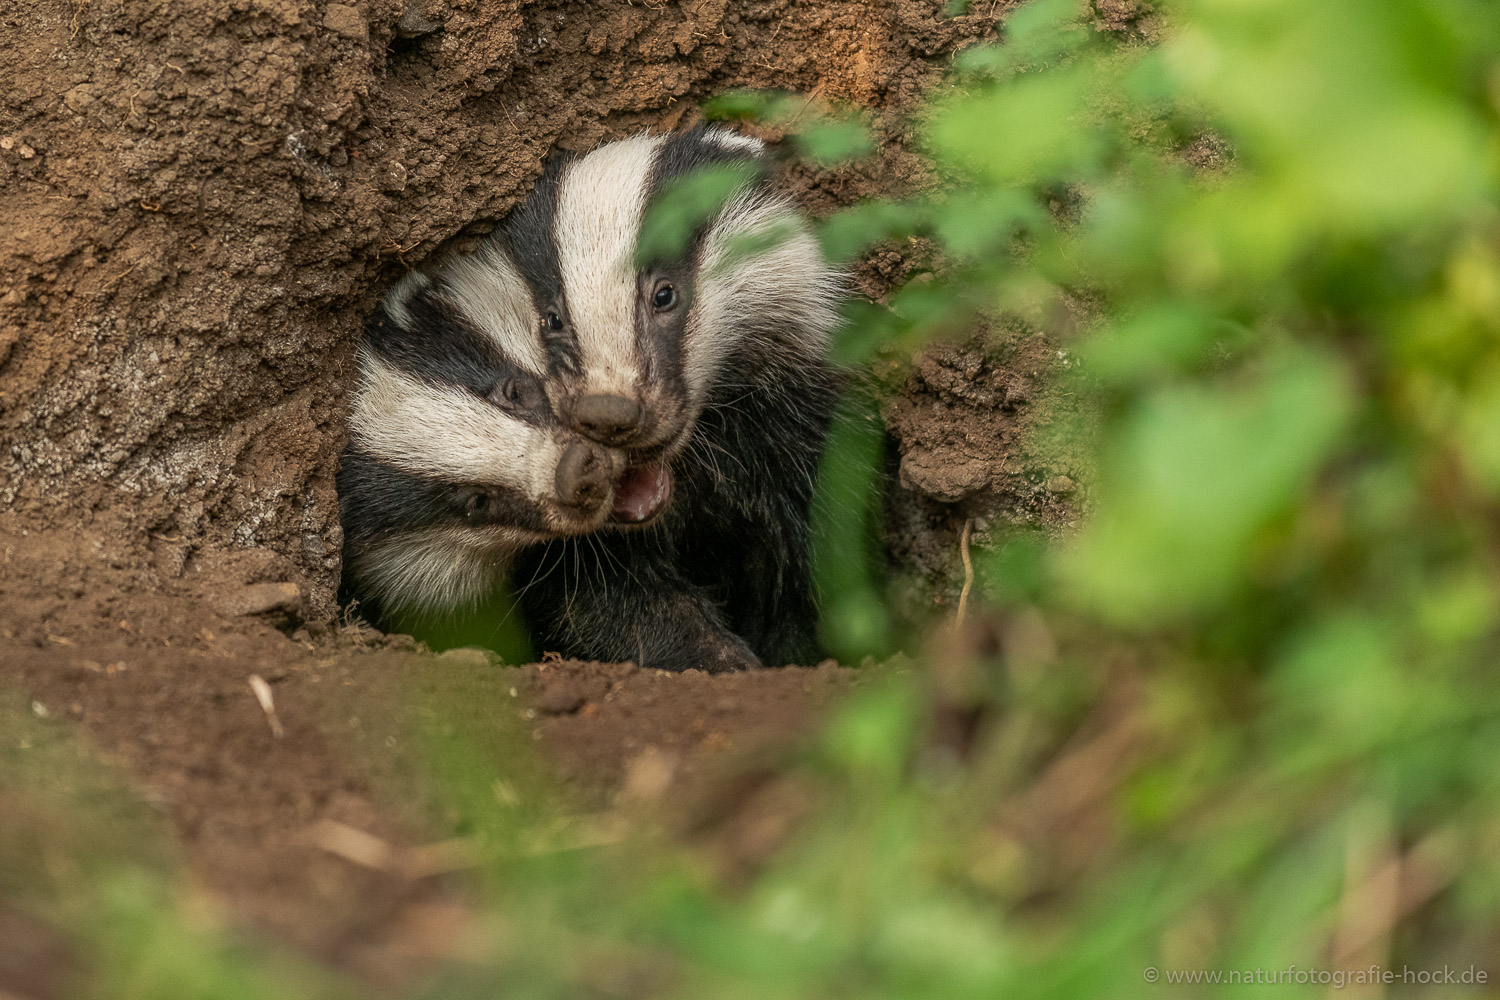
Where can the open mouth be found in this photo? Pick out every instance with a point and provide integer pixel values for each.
(642, 493)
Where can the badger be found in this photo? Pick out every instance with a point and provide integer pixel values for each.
(455, 460)
(645, 433)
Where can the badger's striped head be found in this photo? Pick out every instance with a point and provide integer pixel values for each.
(635, 351)
(455, 457)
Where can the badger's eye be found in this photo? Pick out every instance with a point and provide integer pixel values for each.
(476, 505)
(515, 392)
(554, 321)
(665, 297)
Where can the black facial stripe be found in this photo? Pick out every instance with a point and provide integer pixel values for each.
(436, 342)
(563, 355)
(392, 501)
(694, 150)
(529, 235)
(659, 335)
(439, 344)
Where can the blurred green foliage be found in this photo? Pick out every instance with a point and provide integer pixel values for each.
(80, 853)
(1248, 718)
(494, 622)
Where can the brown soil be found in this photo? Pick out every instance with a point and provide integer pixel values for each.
(160, 686)
(202, 200)
(987, 436)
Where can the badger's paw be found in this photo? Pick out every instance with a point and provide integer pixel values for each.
(712, 654)
(731, 654)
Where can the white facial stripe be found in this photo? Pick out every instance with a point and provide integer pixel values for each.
(788, 284)
(401, 293)
(437, 567)
(599, 207)
(487, 288)
(446, 432)
(734, 141)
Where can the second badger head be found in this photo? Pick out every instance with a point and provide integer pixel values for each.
(638, 348)
(455, 458)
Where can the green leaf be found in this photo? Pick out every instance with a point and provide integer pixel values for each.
(836, 141)
(684, 206)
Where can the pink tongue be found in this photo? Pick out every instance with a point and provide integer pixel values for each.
(643, 491)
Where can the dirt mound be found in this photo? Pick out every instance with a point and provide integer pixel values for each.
(265, 804)
(611, 726)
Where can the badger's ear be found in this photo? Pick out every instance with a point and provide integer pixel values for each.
(395, 302)
(732, 141)
(703, 147)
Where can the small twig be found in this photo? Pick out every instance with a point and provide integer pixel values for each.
(1394, 887)
(508, 117)
(363, 849)
(267, 703)
(369, 851)
(805, 105)
(963, 550)
(117, 277)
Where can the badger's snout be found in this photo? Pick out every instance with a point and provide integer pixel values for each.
(610, 420)
(583, 476)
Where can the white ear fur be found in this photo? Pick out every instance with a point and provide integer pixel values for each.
(787, 286)
(733, 140)
(402, 292)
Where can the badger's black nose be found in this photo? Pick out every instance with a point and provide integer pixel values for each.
(582, 476)
(611, 420)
